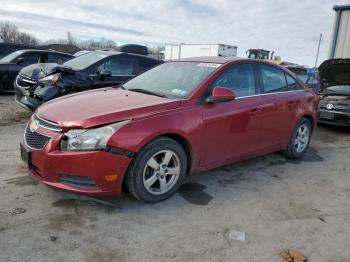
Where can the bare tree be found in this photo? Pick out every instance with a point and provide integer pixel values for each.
(155, 49)
(9, 33)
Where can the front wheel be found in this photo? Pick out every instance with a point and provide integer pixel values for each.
(300, 139)
(158, 170)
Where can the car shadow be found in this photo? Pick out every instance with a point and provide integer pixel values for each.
(198, 188)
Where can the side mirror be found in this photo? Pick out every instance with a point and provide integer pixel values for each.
(104, 73)
(221, 94)
(19, 60)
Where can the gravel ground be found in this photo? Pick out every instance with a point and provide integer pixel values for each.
(279, 204)
(10, 112)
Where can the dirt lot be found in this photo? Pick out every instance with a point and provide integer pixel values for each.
(278, 203)
(10, 112)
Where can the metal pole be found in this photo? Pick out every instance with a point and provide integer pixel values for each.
(318, 50)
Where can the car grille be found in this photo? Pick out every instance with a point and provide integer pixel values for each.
(47, 124)
(35, 140)
(337, 107)
(25, 81)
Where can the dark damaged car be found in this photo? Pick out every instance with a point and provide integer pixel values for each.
(335, 92)
(11, 64)
(37, 84)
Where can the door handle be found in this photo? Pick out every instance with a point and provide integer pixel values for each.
(254, 111)
(266, 106)
(292, 103)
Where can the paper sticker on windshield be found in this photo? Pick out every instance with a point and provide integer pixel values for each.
(179, 92)
(209, 65)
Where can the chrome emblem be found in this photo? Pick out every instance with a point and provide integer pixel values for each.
(33, 125)
(330, 106)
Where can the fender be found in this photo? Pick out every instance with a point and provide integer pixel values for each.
(185, 123)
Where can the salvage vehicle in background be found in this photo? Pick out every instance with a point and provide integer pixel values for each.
(11, 64)
(179, 51)
(308, 75)
(178, 118)
(335, 92)
(40, 83)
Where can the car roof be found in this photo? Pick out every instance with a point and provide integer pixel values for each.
(112, 52)
(223, 60)
(44, 51)
(210, 59)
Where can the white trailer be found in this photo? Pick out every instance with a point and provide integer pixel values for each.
(177, 51)
(340, 42)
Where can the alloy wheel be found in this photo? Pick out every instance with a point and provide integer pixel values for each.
(161, 172)
(302, 138)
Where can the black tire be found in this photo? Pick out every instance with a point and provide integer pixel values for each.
(135, 176)
(291, 151)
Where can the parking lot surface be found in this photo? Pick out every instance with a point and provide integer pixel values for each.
(278, 203)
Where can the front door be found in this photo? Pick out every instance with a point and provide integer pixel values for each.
(231, 130)
(121, 68)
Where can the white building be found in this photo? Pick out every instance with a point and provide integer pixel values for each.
(340, 41)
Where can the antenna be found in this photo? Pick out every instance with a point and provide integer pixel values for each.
(318, 50)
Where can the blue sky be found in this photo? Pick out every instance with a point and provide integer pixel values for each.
(290, 28)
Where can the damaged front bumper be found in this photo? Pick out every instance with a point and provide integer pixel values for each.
(30, 95)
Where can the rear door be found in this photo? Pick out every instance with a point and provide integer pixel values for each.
(231, 130)
(144, 64)
(279, 101)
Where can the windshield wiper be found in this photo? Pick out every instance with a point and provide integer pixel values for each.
(148, 92)
(120, 86)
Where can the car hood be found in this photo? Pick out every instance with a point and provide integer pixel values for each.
(334, 72)
(103, 106)
(37, 71)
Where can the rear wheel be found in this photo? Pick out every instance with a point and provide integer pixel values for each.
(158, 170)
(300, 139)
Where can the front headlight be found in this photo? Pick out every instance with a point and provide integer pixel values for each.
(89, 139)
(51, 79)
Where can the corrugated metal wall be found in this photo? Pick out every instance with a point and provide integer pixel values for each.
(342, 49)
(340, 43)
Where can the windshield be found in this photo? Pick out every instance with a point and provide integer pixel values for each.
(339, 89)
(172, 79)
(84, 61)
(9, 58)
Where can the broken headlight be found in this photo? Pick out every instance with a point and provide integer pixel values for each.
(50, 80)
(89, 139)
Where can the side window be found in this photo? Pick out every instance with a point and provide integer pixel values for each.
(31, 58)
(43, 58)
(117, 66)
(58, 58)
(291, 84)
(239, 78)
(145, 64)
(273, 79)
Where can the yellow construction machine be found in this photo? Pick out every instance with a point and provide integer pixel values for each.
(264, 55)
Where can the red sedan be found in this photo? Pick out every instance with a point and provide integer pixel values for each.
(181, 117)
